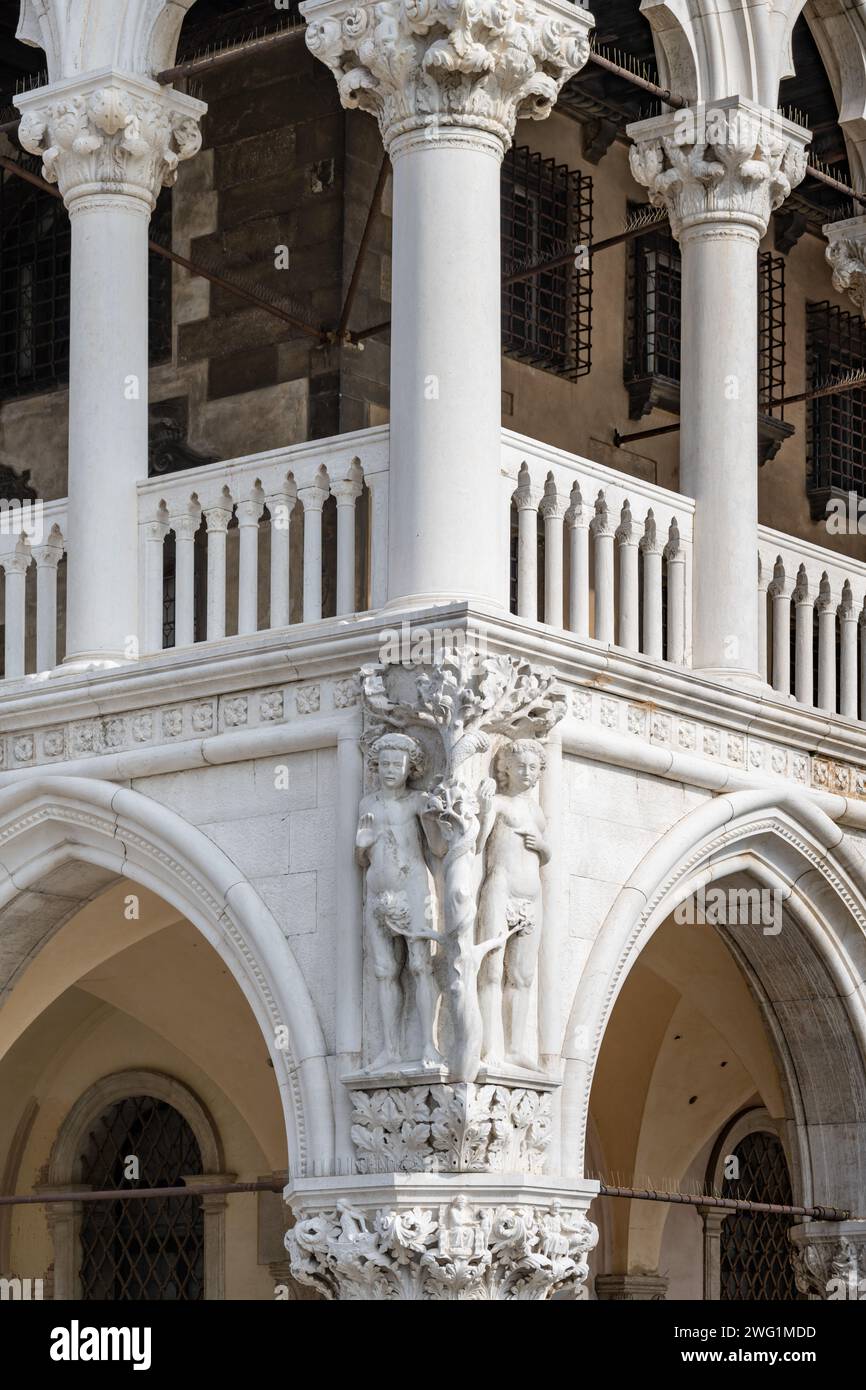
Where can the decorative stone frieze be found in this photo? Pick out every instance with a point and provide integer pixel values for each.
(427, 1239)
(451, 1129)
(110, 133)
(846, 253)
(429, 65)
(725, 161)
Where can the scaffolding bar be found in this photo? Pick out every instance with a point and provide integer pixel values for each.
(133, 1194)
(726, 1203)
(343, 325)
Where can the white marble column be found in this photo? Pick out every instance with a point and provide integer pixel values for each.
(720, 169)
(447, 83)
(110, 140)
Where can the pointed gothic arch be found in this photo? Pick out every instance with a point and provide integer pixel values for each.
(782, 841)
(62, 839)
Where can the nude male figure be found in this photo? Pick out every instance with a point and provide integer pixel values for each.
(513, 831)
(390, 848)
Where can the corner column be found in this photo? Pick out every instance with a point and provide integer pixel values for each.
(110, 141)
(447, 83)
(720, 169)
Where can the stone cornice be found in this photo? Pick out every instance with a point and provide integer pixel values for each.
(677, 723)
(109, 133)
(434, 67)
(722, 162)
(846, 253)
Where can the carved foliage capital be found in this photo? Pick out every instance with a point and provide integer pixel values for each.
(731, 162)
(846, 253)
(452, 1252)
(110, 135)
(432, 64)
(829, 1259)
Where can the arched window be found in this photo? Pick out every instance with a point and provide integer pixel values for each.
(747, 1255)
(141, 1250)
(755, 1254)
(147, 1248)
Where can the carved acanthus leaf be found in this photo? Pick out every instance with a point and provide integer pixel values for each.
(117, 136)
(429, 64)
(734, 161)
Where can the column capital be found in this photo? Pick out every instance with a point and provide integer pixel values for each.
(346, 491)
(829, 1258)
(109, 133)
(413, 1236)
(651, 542)
(602, 523)
(449, 70)
(724, 162)
(313, 497)
(626, 532)
(526, 497)
(846, 253)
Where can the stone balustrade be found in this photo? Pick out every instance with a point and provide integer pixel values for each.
(811, 613)
(208, 566)
(616, 551)
(32, 545)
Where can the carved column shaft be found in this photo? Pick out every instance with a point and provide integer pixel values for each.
(110, 141)
(720, 170)
(447, 83)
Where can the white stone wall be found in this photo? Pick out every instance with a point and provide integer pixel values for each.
(275, 819)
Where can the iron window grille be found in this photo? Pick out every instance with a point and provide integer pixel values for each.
(654, 330)
(771, 334)
(35, 243)
(755, 1259)
(836, 424)
(546, 211)
(144, 1250)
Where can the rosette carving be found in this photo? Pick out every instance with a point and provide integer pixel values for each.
(113, 137)
(734, 160)
(417, 64)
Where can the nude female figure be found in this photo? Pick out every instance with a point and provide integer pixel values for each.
(513, 832)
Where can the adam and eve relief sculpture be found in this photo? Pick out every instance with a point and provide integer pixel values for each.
(453, 841)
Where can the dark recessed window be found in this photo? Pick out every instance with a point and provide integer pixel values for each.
(836, 443)
(151, 1248)
(546, 215)
(654, 326)
(755, 1250)
(34, 286)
